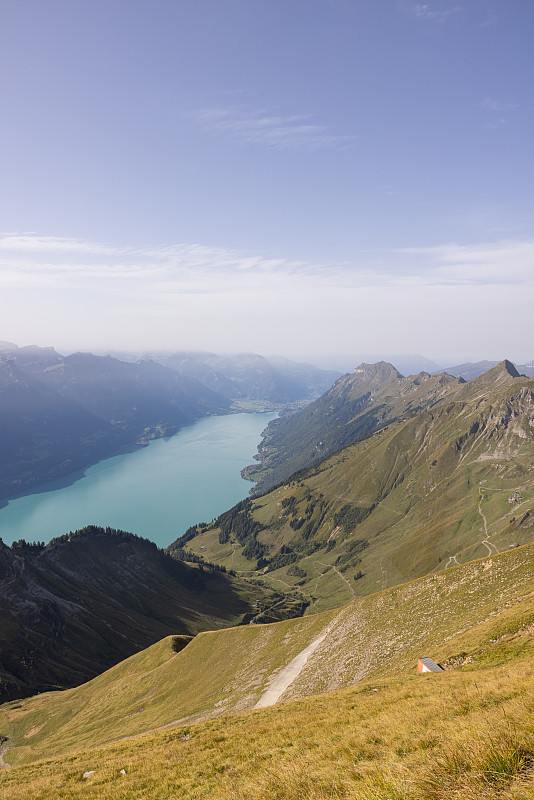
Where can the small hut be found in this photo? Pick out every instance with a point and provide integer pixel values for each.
(427, 665)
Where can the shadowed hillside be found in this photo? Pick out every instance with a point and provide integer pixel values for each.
(87, 600)
(60, 414)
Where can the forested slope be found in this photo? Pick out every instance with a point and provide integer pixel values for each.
(74, 607)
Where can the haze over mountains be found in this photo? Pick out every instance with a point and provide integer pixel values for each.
(472, 370)
(59, 414)
(250, 377)
(411, 364)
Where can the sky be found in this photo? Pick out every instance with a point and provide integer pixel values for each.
(301, 177)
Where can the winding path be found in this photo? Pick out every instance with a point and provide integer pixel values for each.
(338, 573)
(487, 536)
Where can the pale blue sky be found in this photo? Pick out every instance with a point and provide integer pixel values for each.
(296, 176)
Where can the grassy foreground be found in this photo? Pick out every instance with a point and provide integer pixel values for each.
(478, 613)
(147, 729)
(456, 734)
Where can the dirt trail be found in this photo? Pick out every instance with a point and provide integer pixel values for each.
(288, 674)
(265, 610)
(486, 542)
(338, 573)
(279, 580)
(3, 751)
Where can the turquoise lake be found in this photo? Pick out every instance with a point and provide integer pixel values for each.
(156, 492)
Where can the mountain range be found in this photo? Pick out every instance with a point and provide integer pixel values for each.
(249, 378)
(357, 405)
(60, 414)
(443, 476)
(397, 513)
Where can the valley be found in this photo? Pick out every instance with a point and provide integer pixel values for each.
(406, 531)
(266, 400)
(62, 414)
(157, 491)
(90, 598)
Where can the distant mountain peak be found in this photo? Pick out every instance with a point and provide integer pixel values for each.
(504, 368)
(8, 347)
(510, 368)
(498, 378)
(381, 370)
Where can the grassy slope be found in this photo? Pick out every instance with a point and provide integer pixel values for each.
(354, 407)
(466, 733)
(482, 611)
(439, 486)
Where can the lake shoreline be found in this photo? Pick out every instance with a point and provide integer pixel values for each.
(70, 478)
(88, 481)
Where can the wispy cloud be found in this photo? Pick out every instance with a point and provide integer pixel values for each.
(499, 111)
(276, 132)
(433, 12)
(30, 260)
(174, 268)
(31, 242)
(489, 22)
(501, 263)
(54, 289)
(498, 106)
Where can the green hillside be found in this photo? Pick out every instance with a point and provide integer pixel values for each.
(478, 614)
(416, 541)
(382, 731)
(357, 405)
(448, 485)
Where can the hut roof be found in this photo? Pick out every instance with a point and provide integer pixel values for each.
(431, 665)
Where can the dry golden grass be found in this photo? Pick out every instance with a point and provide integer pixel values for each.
(480, 614)
(467, 735)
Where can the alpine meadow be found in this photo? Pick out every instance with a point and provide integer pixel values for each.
(266, 400)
